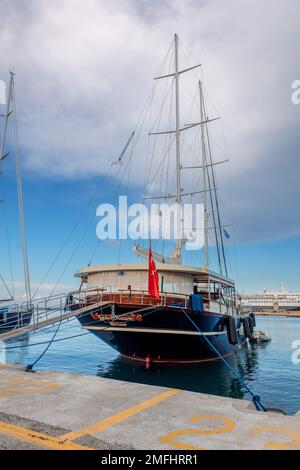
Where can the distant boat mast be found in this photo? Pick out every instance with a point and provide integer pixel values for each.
(11, 110)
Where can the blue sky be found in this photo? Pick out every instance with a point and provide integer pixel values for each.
(53, 209)
(81, 88)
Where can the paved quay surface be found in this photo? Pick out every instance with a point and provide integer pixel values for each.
(55, 410)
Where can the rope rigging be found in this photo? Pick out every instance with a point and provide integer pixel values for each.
(214, 201)
(6, 287)
(124, 171)
(255, 398)
(29, 367)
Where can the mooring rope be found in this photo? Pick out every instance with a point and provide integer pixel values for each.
(29, 367)
(40, 343)
(255, 398)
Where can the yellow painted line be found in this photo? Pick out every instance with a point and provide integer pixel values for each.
(12, 384)
(119, 417)
(37, 438)
(26, 386)
(11, 392)
(11, 380)
(228, 425)
(17, 380)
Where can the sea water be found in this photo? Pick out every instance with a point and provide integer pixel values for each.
(268, 369)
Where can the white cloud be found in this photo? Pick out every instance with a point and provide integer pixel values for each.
(43, 290)
(84, 70)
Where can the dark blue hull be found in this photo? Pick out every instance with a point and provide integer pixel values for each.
(11, 320)
(164, 334)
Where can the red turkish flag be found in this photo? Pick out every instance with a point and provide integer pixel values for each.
(84, 280)
(153, 283)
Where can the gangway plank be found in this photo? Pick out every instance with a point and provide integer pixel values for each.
(37, 325)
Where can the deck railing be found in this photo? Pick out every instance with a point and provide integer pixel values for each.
(56, 306)
(13, 315)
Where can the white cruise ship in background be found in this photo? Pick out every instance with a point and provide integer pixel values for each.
(276, 301)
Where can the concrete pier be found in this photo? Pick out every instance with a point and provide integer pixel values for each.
(55, 410)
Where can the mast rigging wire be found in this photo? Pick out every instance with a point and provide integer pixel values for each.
(29, 367)
(6, 287)
(216, 200)
(213, 179)
(72, 231)
(20, 193)
(95, 192)
(136, 134)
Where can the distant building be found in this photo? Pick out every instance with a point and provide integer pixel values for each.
(272, 301)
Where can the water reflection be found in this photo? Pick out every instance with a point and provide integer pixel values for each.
(266, 368)
(210, 377)
(16, 348)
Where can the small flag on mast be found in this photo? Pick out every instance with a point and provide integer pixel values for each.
(226, 234)
(153, 282)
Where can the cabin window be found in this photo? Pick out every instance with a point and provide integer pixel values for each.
(177, 283)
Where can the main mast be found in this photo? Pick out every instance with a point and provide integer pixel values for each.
(204, 165)
(177, 255)
(5, 122)
(211, 189)
(20, 199)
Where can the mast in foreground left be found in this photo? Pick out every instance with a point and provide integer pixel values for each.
(11, 111)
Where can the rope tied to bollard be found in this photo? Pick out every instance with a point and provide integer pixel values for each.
(29, 367)
(255, 398)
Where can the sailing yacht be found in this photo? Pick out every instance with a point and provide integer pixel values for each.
(196, 315)
(12, 314)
